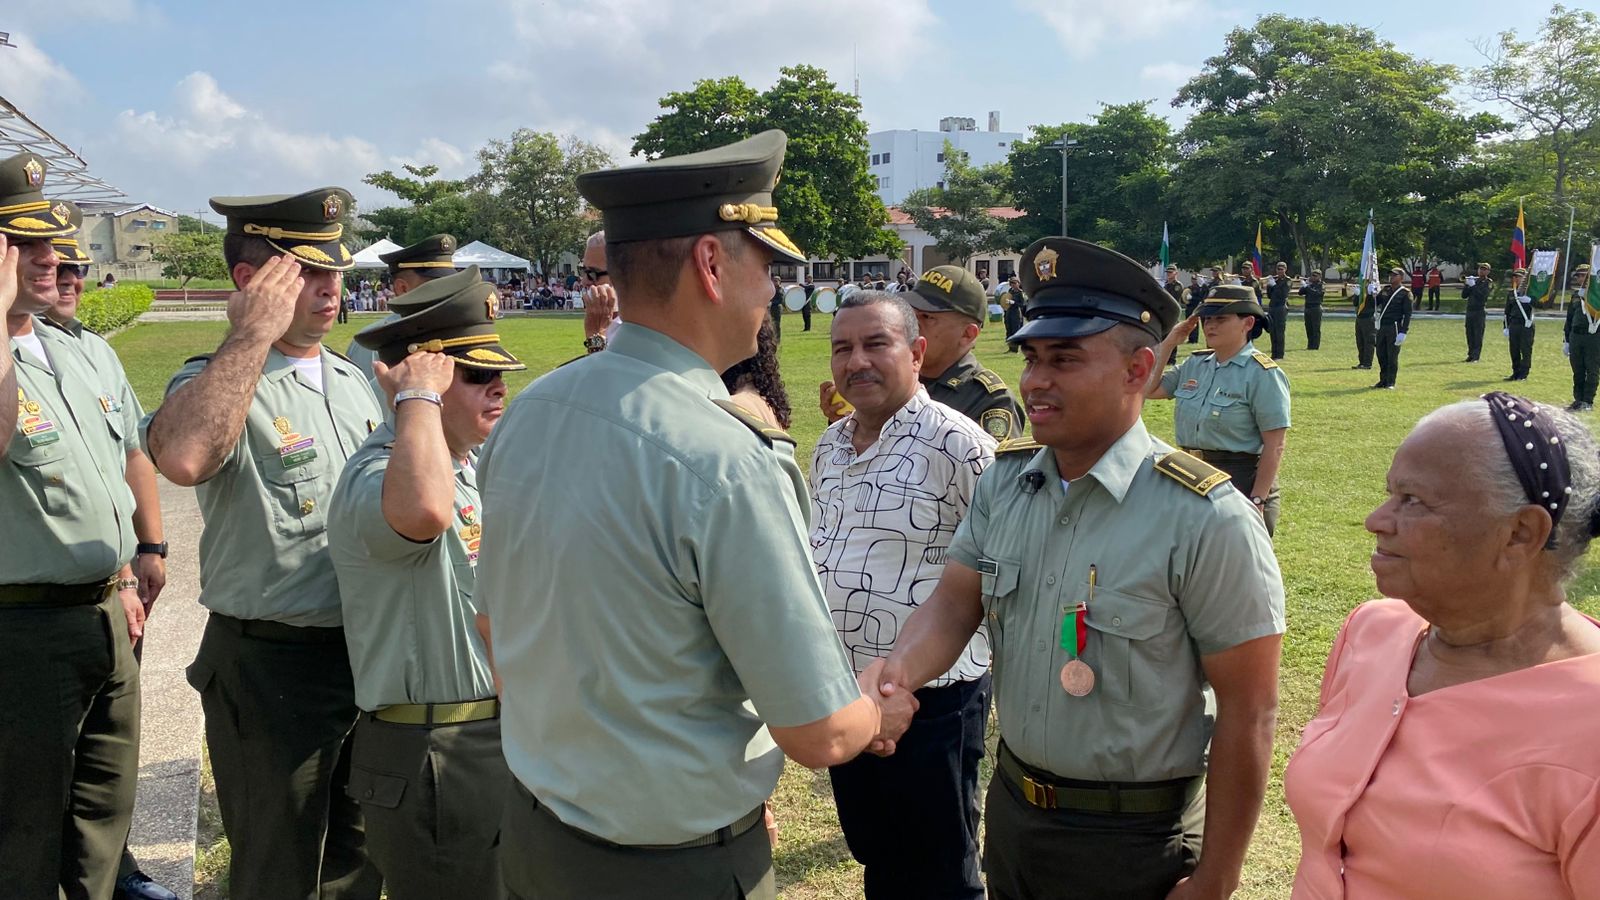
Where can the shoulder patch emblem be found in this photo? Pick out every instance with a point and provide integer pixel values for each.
(1018, 445)
(997, 422)
(1265, 361)
(1192, 472)
(768, 434)
(992, 382)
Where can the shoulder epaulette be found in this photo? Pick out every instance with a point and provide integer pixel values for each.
(1192, 472)
(1206, 352)
(203, 357)
(992, 382)
(340, 355)
(46, 320)
(1265, 361)
(575, 359)
(1018, 445)
(767, 433)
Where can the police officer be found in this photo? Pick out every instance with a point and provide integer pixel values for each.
(1278, 308)
(775, 307)
(69, 602)
(1519, 327)
(1366, 327)
(1102, 649)
(951, 309)
(1247, 277)
(1476, 289)
(1582, 342)
(262, 429)
(1232, 405)
(149, 561)
(1393, 320)
(1176, 291)
(404, 527)
(409, 267)
(1011, 302)
(1313, 291)
(653, 685)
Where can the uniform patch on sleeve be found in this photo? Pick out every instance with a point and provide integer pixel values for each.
(1193, 473)
(1265, 361)
(768, 434)
(990, 381)
(997, 422)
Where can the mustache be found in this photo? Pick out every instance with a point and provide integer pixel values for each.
(864, 378)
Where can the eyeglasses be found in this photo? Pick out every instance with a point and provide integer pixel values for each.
(593, 274)
(478, 376)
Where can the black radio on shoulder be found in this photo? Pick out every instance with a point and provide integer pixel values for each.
(1034, 480)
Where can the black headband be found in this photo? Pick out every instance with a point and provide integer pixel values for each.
(1537, 455)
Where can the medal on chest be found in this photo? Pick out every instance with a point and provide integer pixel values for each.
(471, 532)
(1077, 678)
(295, 449)
(32, 423)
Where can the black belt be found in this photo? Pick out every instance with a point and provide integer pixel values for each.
(1223, 456)
(278, 631)
(723, 835)
(50, 595)
(1049, 792)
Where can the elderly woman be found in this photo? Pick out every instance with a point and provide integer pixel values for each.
(1457, 750)
(1233, 400)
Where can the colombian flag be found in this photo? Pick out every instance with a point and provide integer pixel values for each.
(1255, 258)
(1519, 246)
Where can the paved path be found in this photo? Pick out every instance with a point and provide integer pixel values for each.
(165, 811)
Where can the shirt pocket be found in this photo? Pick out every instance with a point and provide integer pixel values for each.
(297, 495)
(116, 426)
(1128, 661)
(45, 470)
(999, 595)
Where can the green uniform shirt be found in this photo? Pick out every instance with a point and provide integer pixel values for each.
(408, 612)
(1178, 576)
(980, 395)
(1227, 406)
(114, 381)
(649, 619)
(68, 510)
(264, 550)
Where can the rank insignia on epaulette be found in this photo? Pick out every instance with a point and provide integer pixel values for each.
(1018, 445)
(766, 432)
(1190, 471)
(991, 381)
(1266, 361)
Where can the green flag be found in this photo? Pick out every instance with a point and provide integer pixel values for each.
(1541, 276)
(1166, 251)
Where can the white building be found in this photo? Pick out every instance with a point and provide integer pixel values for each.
(905, 160)
(919, 255)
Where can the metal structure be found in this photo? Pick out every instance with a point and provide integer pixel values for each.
(1065, 146)
(69, 176)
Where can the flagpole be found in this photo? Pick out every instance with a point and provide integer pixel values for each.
(1566, 261)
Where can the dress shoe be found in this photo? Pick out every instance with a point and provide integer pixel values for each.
(139, 886)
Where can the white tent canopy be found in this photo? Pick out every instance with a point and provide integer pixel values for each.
(367, 257)
(484, 256)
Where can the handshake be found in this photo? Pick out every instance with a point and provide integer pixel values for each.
(896, 705)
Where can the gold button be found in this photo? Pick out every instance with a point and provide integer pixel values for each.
(55, 479)
(306, 506)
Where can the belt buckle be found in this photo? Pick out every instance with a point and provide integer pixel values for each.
(1040, 795)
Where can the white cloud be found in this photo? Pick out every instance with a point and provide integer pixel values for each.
(36, 83)
(1168, 73)
(1083, 26)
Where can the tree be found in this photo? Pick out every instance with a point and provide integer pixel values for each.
(957, 215)
(527, 195)
(1552, 87)
(190, 254)
(829, 203)
(436, 206)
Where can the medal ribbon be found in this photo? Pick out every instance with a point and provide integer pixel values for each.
(1075, 624)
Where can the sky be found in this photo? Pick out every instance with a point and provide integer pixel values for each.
(174, 102)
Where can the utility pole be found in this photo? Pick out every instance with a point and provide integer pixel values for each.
(1063, 145)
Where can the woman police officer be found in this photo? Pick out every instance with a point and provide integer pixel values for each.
(1232, 400)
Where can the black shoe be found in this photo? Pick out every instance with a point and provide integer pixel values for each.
(1511, 378)
(139, 886)
(1388, 387)
(1379, 385)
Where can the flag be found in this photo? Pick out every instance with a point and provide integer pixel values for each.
(1519, 236)
(1255, 258)
(1166, 250)
(1541, 276)
(1591, 297)
(1369, 264)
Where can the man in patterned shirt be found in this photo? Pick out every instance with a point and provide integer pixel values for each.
(889, 484)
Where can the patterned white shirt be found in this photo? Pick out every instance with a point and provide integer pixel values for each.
(882, 520)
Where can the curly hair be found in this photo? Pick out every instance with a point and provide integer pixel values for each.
(761, 373)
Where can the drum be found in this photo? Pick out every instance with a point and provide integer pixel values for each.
(794, 297)
(827, 299)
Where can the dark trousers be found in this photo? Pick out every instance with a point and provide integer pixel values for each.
(1058, 854)
(545, 859)
(1433, 296)
(912, 818)
(775, 313)
(1475, 321)
(1388, 355)
(280, 704)
(1241, 469)
(1366, 338)
(1013, 321)
(69, 748)
(805, 317)
(129, 865)
(432, 797)
(344, 312)
(1314, 326)
(1278, 329)
(1521, 348)
(1585, 364)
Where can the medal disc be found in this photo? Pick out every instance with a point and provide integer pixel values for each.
(1077, 678)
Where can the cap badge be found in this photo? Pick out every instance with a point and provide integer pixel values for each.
(489, 306)
(1044, 265)
(62, 214)
(448, 244)
(35, 172)
(331, 207)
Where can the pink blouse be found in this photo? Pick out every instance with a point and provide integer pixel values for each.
(1488, 790)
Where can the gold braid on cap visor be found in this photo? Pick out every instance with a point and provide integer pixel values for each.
(439, 345)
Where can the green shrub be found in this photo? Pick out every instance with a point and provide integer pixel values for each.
(107, 309)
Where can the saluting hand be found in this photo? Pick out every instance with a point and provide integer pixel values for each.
(599, 308)
(9, 255)
(264, 308)
(419, 371)
(832, 410)
(1181, 331)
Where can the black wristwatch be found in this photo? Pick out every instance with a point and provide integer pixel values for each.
(158, 549)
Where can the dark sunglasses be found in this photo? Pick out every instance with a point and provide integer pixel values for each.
(593, 274)
(479, 376)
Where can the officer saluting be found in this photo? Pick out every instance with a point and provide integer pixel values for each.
(410, 267)
(69, 604)
(1099, 786)
(1313, 292)
(262, 429)
(1476, 289)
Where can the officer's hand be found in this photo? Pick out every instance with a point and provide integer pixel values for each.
(832, 410)
(771, 822)
(134, 610)
(896, 706)
(1181, 331)
(151, 570)
(1505, 332)
(1194, 887)
(419, 371)
(263, 309)
(1566, 349)
(599, 308)
(9, 256)
(1399, 338)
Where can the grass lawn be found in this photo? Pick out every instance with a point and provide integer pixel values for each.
(1339, 448)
